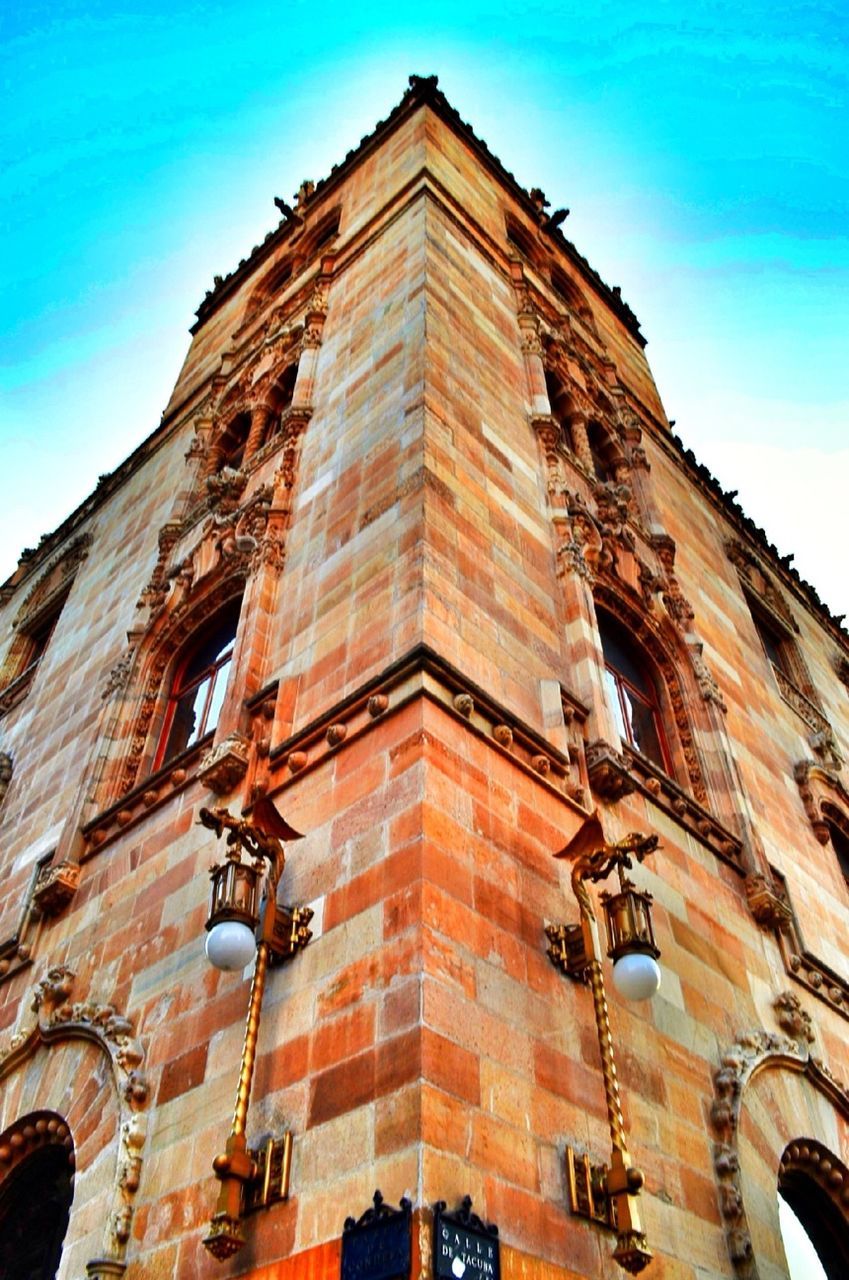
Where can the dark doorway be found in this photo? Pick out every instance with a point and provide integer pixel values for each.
(35, 1204)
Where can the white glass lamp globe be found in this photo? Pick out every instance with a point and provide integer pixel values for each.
(636, 976)
(230, 945)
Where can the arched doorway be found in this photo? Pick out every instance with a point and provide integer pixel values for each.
(36, 1191)
(812, 1182)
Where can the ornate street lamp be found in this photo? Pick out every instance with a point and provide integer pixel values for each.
(604, 1194)
(242, 924)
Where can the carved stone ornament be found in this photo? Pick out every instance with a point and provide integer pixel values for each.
(708, 687)
(825, 798)
(609, 773)
(225, 489)
(792, 1018)
(753, 1052)
(55, 887)
(226, 764)
(767, 903)
(116, 681)
(56, 1019)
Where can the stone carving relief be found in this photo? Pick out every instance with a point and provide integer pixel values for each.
(226, 764)
(792, 1018)
(57, 1018)
(824, 796)
(753, 1052)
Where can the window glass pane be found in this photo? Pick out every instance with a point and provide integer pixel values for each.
(644, 733)
(211, 649)
(618, 653)
(187, 718)
(612, 688)
(219, 688)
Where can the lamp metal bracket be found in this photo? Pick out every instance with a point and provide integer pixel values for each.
(567, 950)
(270, 1184)
(287, 932)
(587, 1186)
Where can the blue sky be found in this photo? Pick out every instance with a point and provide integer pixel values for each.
(702, 150)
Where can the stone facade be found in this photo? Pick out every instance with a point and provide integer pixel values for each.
(417, 436)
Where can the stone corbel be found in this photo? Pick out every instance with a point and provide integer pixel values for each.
(224, 765)
(767, 903)
(55, 887)
(609, 774)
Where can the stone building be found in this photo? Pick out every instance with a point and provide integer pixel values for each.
(414, 555)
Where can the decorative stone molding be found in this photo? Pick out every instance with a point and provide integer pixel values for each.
(54, 580)
(423, 673)
(55, 887)
(613, 776)
(224, 765)
(803, 966)
(225, 489)
(755, 1051)
(824, 796)
(57, 1019)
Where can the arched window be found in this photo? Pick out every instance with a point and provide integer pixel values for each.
(198, 687)
(811, 1216)
(35, 1205)
(632, 693)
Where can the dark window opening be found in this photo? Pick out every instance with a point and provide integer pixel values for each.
(822, 1223)
(521, 240)
(198, 688)
(35, 1206)
(599, 451)
(325, 232)
(632, 694)
(560, 402)
(775, 645)
(840, 844)
(233, 441)
(282, 398)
